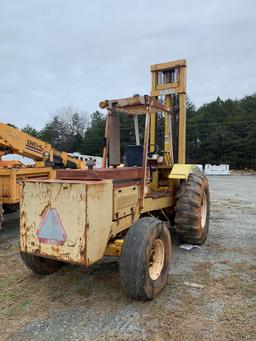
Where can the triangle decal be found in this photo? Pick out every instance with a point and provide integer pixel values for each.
(51, 229)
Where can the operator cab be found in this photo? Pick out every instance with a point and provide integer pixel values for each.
(145, 154)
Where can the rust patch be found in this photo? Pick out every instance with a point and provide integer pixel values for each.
(122, 173)
(44, 209)
(83, 244)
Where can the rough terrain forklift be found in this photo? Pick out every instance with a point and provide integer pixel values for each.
(123, 210)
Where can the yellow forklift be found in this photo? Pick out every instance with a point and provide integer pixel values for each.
(125, 211)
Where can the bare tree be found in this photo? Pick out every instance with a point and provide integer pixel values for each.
(74, 119)
(67, 128)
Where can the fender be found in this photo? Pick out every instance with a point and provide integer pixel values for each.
(182, 171)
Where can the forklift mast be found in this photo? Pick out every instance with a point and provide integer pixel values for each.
(169, 86)
(168, 89)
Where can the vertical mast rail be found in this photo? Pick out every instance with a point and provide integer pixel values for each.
(105, 149)
(136, 127)
(145, 157)
(170, 79)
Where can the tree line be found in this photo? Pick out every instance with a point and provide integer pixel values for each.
(223, 131)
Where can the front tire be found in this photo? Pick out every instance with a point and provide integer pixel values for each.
(145, 258)
(192, 211)
(40, 265)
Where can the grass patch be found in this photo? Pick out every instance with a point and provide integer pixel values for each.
(84, 291)
(25, 304)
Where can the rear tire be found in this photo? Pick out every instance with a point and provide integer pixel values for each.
(145, 258)
(192, 211)
(1, 215)
(11, 208)
(40, 265)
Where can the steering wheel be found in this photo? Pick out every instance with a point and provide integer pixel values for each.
(155, 151)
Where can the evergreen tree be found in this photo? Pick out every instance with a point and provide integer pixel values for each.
(93, 141)
(217, 132)
(30, 130)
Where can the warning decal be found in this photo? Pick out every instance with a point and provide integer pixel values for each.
(51, 230)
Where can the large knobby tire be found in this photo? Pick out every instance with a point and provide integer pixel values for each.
(40, 265)
(145, 258)
(192, 211)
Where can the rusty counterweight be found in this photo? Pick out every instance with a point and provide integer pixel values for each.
(100, 173)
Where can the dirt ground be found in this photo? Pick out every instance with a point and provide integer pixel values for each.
(88, 304)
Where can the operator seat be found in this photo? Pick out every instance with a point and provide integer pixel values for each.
(134, 156)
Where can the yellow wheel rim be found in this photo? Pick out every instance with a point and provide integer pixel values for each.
(203, 210)
(156, 260)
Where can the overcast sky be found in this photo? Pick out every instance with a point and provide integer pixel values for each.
(61, 52)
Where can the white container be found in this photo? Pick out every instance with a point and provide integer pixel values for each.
(222, 169)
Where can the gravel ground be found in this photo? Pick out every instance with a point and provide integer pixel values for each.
(88, 304)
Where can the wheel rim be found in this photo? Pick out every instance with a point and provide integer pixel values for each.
(203, 210)
(156, 260)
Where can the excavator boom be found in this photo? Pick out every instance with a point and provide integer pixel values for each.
(14, 141)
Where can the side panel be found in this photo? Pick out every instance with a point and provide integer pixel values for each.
(152, 204)
(5, 189)
(10, 181)
(99, 218)
(125, 201)
(53, 220)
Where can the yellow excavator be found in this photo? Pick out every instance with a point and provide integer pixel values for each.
(47, 158)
